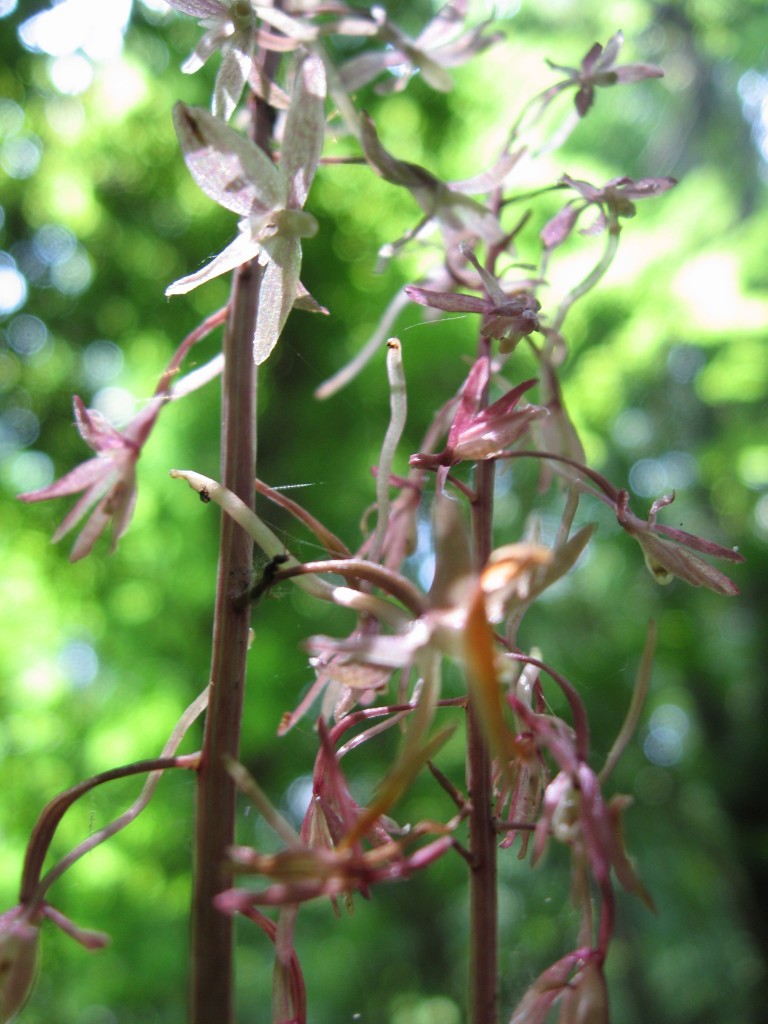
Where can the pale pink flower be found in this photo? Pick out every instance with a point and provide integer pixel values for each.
(107, 481)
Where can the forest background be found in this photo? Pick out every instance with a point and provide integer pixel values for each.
(667, 379)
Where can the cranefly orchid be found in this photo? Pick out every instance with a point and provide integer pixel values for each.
(108, 481)
(445, 42)
(528, 769)
(599, 69)
(269, 198)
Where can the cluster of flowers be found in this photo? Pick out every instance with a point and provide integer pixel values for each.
(545, 785)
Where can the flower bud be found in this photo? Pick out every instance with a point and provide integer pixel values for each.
(18, 961)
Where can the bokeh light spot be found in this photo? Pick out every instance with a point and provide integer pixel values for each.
(102, 362)
(93, 26)
(79, 663)
(117, 404)
(73, 275)
(13, 285)
(54, 244)
(667, 730)
(27, 335)
(20, 156)
(29, 471)
(71, 74)
(19, 428)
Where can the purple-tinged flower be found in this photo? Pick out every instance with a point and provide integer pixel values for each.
(667, 558)
(443, 43)
(614, 200)
(507, 315)
(577, 982)
(241, 177)
(108, 480)
(509, 318)
(481, 433)
(599, 68)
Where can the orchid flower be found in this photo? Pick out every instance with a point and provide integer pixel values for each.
(599, 68)
(231, 28)
(241, 177)
(438, 46)
(506, 316)
(614, 200)
(481, 433)
(108, 480)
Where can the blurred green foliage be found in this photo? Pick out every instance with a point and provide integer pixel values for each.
(667, 379)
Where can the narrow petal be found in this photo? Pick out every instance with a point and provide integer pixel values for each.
(591, 59)
(84, 504)
(471, 396)
(237, 253)
(637, 72)
(277, 295)
(359, 71)
(304, 131)
(93, 529)
(236, 64)
(95, 429)
(82, 476)
(452, 302)
(206, 47)
(556, 231)
(293, 28)
(611, 51)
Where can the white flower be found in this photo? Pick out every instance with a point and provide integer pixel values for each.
(269, 198)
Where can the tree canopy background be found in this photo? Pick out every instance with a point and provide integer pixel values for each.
(667, 378)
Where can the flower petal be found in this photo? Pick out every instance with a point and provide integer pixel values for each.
(82, 476)
(236, 64)
(228, 167)
(304, 131)
(238, 252)
(278, 293)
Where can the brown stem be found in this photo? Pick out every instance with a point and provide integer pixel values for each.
(212, 983)
(212, 931)
(483, 952)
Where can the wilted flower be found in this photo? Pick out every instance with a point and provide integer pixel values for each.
(599, 68)
(437, 47)
(108, 481)
(457, 214)
(614, 200)
(241, 177)
(669, 558)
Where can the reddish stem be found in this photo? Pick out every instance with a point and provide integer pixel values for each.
(212, 931)
(483, 952)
